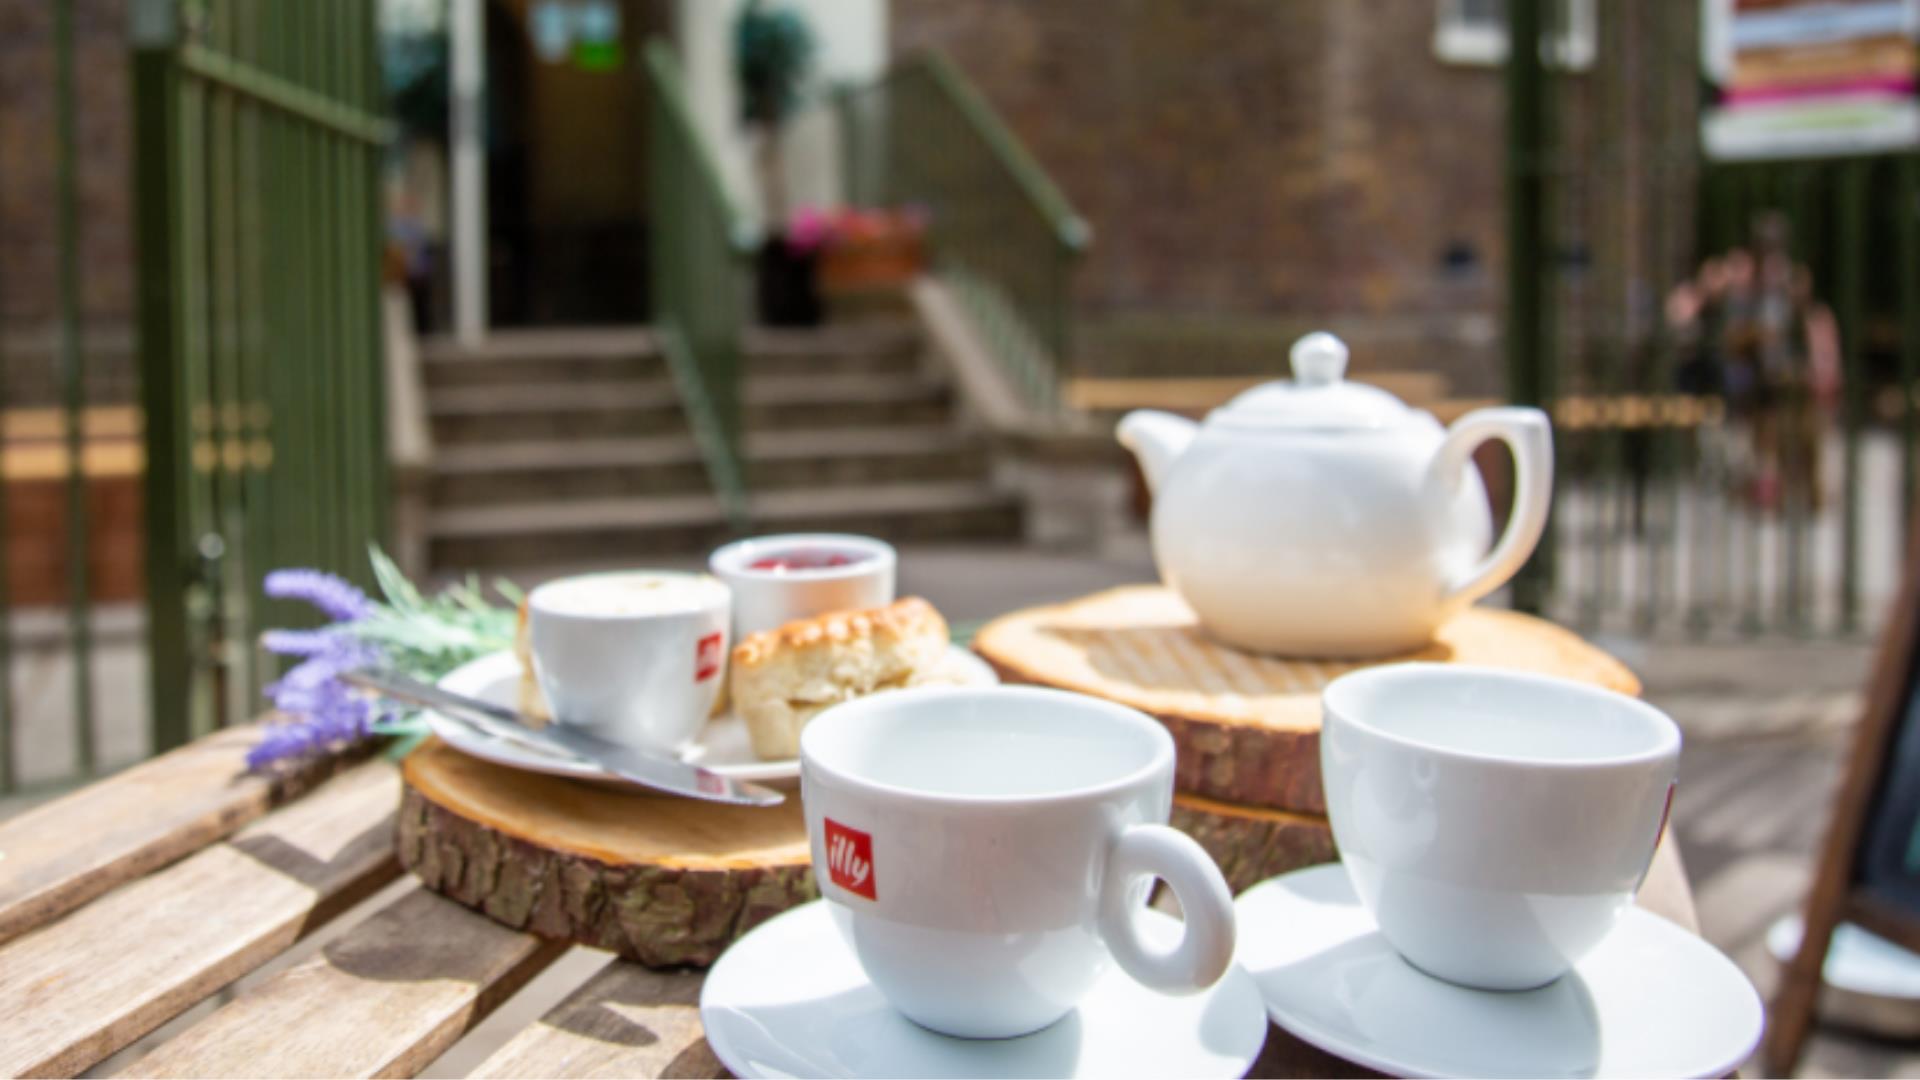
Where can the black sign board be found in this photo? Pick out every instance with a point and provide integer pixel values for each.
(1870, 867)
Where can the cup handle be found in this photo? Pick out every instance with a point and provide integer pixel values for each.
(1206, 948)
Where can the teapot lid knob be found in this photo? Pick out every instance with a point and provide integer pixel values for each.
(1319, 359)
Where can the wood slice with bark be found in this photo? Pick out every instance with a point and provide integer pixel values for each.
(660, 880)
(1247, 727)
(1251, 844)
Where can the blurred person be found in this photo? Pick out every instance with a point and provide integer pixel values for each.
(1753, 334)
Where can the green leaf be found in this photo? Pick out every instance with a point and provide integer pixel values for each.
(400, 592)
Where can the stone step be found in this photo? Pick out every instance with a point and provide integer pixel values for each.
(774, 460)
(521, 370)
(542, 356)
(597, 409)
(650, 408)
(789, 402)
(601, 530)
(879, 338)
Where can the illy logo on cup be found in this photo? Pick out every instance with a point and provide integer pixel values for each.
(850, 858)
(706, 657)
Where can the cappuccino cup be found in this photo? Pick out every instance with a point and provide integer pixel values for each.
(635, 657)
(1494, 823)
(986, 852)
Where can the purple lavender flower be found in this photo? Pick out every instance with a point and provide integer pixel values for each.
(333, 718)
(300, 642)
(336, 598)
(324, 715)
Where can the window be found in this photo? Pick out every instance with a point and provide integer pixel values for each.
(1475, 32)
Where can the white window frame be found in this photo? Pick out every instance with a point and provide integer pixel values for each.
(1458, 39)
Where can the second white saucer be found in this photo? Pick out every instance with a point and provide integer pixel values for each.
(790, 999)
(1650, 1000)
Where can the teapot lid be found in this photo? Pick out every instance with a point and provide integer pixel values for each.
(1318, 397)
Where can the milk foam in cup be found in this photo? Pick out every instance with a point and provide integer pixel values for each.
(636, 657)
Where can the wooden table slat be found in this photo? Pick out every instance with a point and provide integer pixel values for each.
(76, 990)
(57, 857)
(384, 1000)
(625, 1021)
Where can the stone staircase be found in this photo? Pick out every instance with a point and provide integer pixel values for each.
(570, 447)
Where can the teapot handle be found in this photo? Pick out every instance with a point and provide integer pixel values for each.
(1529, 435)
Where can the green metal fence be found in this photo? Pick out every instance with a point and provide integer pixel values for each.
(703, 248)
(999, 231)
(1736, 443)
(259, 138)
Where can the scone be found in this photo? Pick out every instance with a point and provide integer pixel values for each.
(783, 678)
(532, 702)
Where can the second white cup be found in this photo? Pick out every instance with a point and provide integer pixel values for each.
(635, 657)
(1494, 823)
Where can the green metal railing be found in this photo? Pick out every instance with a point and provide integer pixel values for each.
(1000, 233)
(258, 139)
(703, 247)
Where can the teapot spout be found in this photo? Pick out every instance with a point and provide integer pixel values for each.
(1157, 440)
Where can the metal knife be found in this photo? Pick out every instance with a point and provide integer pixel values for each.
(650, 770)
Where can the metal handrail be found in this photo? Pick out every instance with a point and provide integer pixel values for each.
(702, 249)
(1001, 234)
(1048, 200)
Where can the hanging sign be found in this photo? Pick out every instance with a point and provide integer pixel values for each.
(1809, 78)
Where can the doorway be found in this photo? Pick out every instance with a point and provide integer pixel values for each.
(566, 147)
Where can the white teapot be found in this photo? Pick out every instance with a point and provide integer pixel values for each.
(1318, 517)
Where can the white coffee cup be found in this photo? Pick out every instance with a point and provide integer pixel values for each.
(986, 851)
(636, 657)
(765, 597)
(1494, 823)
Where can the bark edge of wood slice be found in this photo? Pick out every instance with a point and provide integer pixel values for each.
(662, 881)
(1246, 727)
(1250, 844)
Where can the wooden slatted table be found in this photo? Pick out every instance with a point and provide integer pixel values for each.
(128, 902)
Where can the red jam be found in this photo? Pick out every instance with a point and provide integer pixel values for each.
(805, 560)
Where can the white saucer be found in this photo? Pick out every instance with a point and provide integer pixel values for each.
(789, 999)
(1650, 1000)
(722, 745)
(1870, 983)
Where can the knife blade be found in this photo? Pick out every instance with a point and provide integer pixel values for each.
(650, 770)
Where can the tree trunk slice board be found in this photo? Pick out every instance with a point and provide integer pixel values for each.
(624, 1021)
(385, 999)
(660, 880)
(1247, 727)
(77, 990)
(1252, 844)
(64, 853)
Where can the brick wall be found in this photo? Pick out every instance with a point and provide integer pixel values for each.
(29, 238)
(1294, 159)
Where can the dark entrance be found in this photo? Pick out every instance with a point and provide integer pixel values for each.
(567, 159)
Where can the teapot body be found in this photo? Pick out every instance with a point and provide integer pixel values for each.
(1319, 544)
(1321, 518)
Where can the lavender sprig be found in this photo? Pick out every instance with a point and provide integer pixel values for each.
(417, 635)
(336, 598)
(331, 719)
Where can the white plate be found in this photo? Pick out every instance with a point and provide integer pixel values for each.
(722, 745)
(789, 999)
(1650, 1000)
